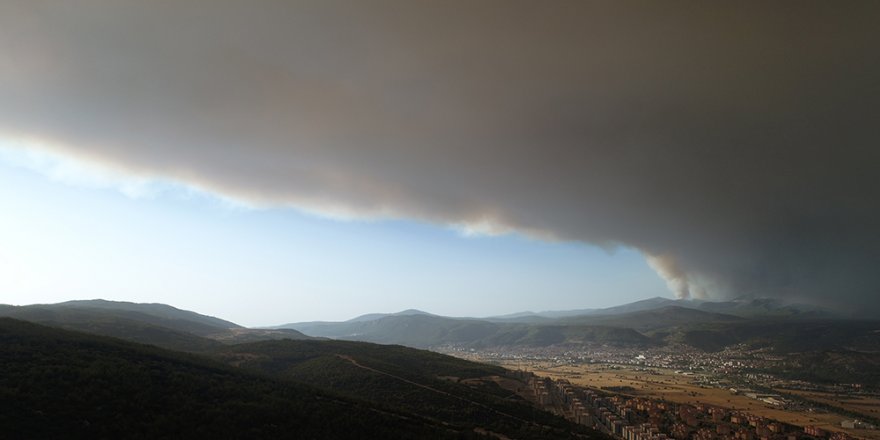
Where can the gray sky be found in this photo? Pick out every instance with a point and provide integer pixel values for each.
(734, 143)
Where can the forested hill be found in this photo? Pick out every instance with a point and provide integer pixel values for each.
(155, 324)
(62, 384)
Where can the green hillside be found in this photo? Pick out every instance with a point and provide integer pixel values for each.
(782, 335)
(833, 366)
(131, 326)
(667, 322)
(162, 311)
(659, 318)
(155, 314)
(423, 331)
(60, 384)
(155, 324)
(447, 390)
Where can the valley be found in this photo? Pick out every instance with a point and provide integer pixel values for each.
(61, 383)
(482, 377)
(688, 378)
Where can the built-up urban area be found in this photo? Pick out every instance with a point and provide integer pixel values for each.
(620, 412)
(636, 418)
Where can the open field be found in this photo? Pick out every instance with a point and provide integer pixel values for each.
(870, 407)
(664, 384)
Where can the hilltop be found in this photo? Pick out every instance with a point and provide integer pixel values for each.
(156, 324)
(83, 385)
(61, 384)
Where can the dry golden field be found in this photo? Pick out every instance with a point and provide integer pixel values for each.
(673, 387)
(868, 406)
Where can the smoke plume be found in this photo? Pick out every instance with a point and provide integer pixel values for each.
(735, 143)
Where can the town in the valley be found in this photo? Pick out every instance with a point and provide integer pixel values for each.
(680, 393)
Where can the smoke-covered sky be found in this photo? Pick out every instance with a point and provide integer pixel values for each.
(735, 144)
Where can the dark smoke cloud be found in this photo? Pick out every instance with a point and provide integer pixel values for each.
(734, 143)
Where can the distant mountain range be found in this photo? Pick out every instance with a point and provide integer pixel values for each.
(657, 321)
(800, 333)
(742, 307)
(57, 383)
(653, 322)
(424, 330)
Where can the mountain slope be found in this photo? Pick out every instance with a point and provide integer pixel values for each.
(162, 311)
(130, 326)
(155, 324)
(154, 314)
(414, 330)
(375, 316)
(60, 384)
(744, 307)
(423, 331)
(653, 319)
(767, 307)
(637, 306)
(782, 335)
(346, 328)
(451, 391)
(544, 316)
